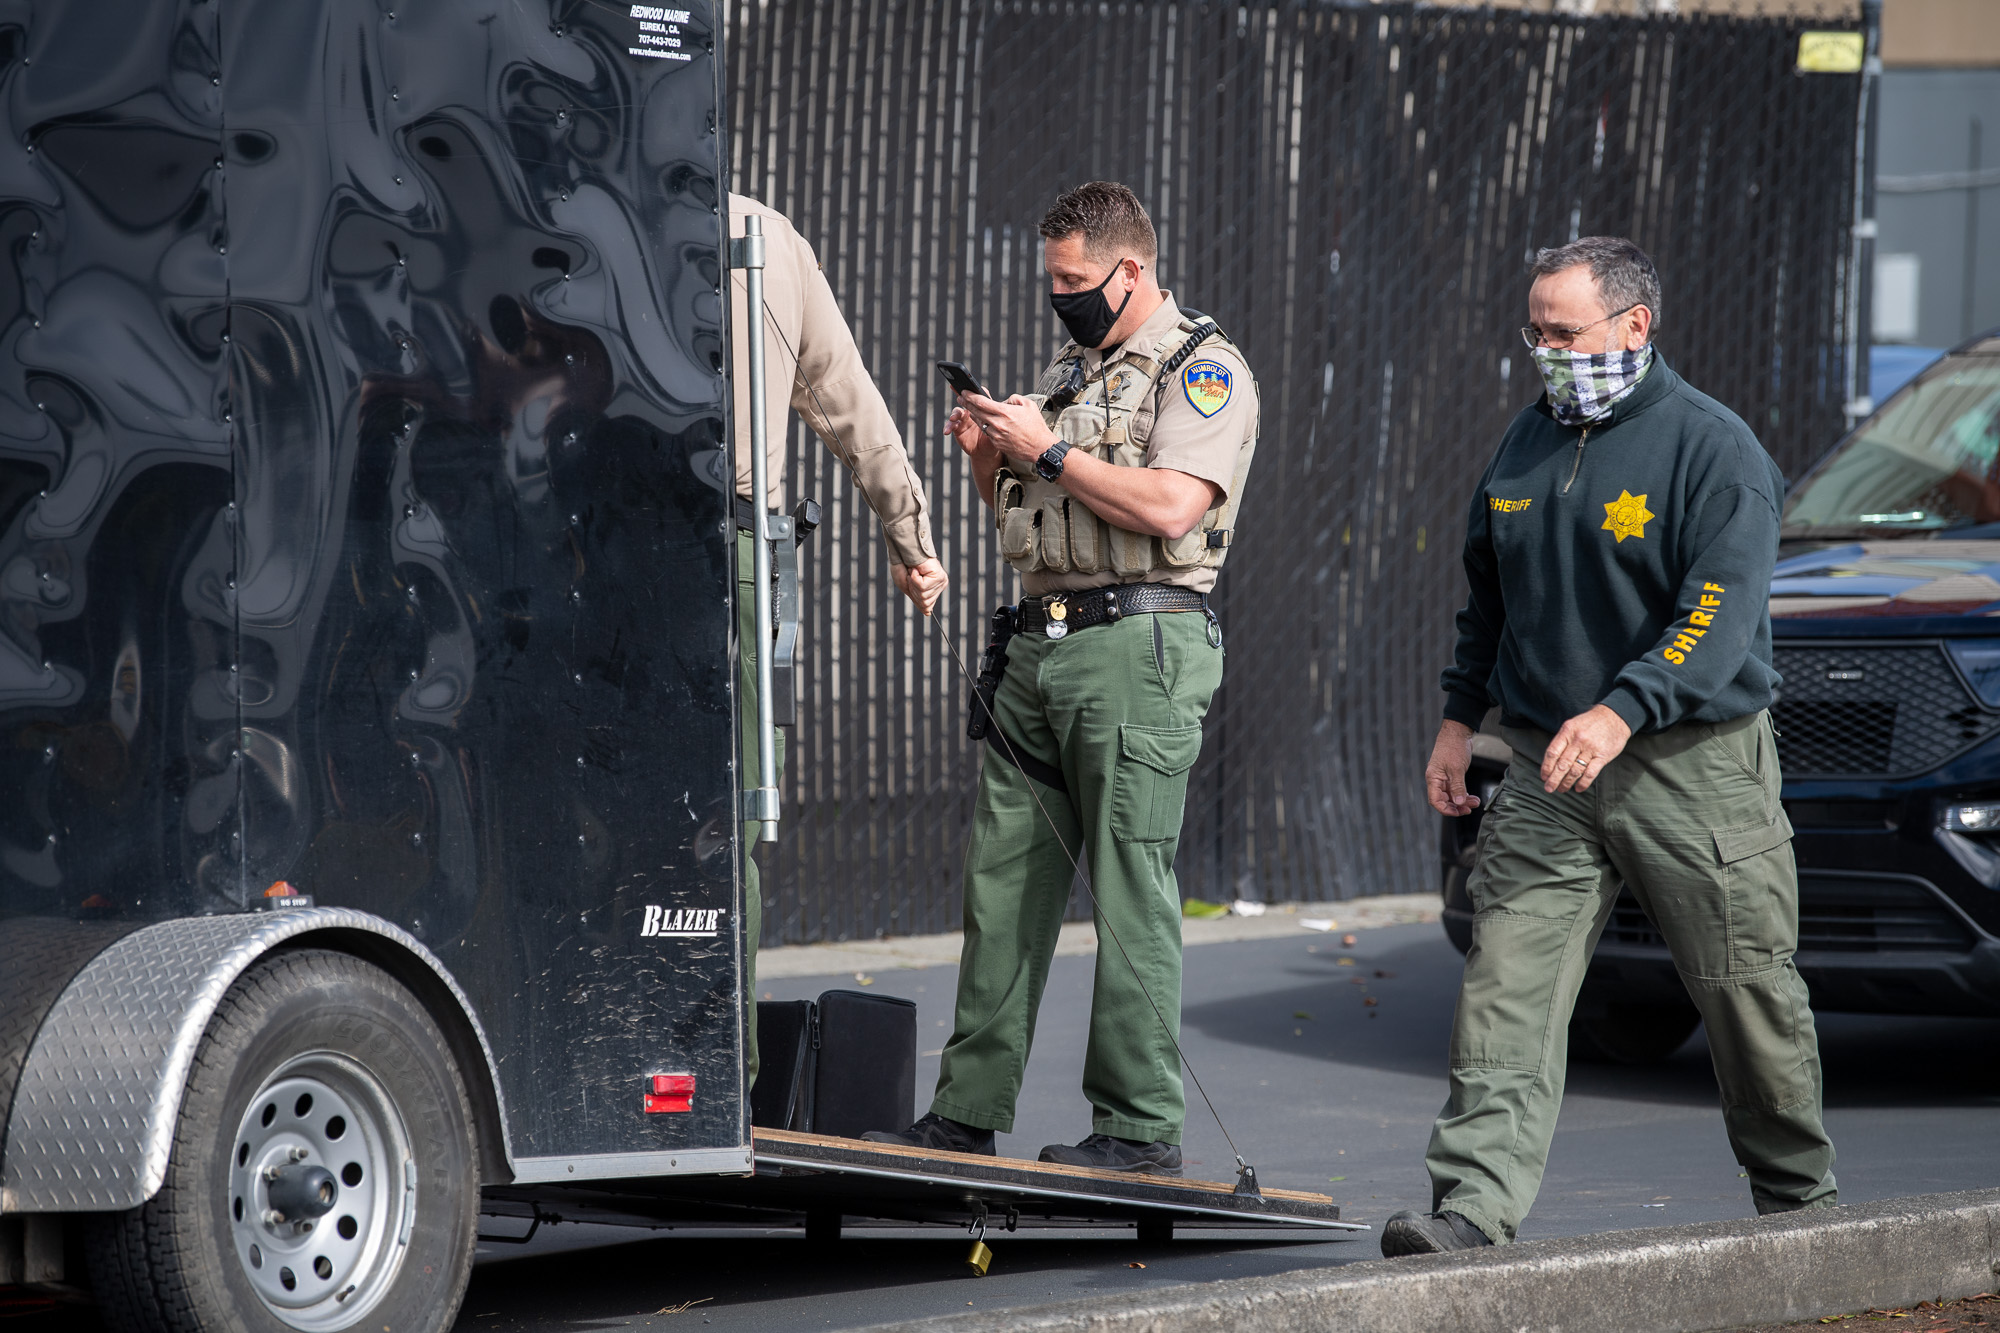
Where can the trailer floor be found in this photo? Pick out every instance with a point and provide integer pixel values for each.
(829, 1186)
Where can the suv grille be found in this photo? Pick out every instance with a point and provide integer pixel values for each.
(1865, 711)
(1841, 914)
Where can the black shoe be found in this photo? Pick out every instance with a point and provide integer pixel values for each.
(1109, 1154)
(1429, 1233)
(939, 1134)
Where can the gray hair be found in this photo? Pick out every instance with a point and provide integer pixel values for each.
(1625, 277)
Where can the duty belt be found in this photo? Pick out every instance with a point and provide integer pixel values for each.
(1054, 616)
(805, 518)
(788, 532)
(1060, 612)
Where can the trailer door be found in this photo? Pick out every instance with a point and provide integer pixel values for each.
(482, 552)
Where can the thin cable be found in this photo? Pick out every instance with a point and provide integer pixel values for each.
(1076, 865)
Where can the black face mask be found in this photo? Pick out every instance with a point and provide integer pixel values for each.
(1088, 315)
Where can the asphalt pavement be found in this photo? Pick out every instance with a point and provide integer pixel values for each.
(1322, 1090)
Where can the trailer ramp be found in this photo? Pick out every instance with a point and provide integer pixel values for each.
(886, 1180)
(823, 1183)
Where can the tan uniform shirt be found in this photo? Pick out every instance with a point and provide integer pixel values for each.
(1174, 431)
(807, 342)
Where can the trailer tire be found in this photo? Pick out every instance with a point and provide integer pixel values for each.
(323, 1069)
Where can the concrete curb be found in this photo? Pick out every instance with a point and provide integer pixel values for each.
(1681, 1279)
(1079, 938)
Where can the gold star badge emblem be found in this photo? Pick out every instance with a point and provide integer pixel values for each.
(1627, 516)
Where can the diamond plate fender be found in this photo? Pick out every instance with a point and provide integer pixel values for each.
(94, 1115)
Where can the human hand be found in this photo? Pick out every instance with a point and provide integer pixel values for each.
(1444, 776)
(923, 583)
(1014, 427)
(964, 430)
(1586, 743)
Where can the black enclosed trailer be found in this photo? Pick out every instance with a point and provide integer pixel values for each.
(369, 827)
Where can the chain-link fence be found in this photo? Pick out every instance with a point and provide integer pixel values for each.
(1353, 191)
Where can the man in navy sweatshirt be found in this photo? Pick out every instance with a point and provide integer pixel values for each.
(1619, 552)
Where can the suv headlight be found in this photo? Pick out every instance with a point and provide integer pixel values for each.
(1982, 817)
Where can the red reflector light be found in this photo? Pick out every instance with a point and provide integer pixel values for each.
(670, 1092)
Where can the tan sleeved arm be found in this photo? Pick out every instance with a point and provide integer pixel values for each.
(1206, 446)
(837, 397)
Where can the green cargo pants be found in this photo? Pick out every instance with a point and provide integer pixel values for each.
(1689, 820)
(1116, 708)
(752, 643)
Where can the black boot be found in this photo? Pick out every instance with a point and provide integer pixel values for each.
(1113, 1154)
(939, 1134)
(1429, 1233)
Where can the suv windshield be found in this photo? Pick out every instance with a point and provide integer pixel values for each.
(1930, 463)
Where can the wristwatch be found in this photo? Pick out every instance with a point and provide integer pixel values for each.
(1050, 465)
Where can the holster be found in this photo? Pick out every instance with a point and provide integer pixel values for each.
(992, 669)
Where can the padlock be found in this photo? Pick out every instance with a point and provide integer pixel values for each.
(979, 1258)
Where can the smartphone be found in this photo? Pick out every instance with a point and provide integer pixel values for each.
(961, 379)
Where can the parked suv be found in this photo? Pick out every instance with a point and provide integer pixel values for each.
(1885, 616)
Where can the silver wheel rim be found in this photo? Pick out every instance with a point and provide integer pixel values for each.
(325, 1272)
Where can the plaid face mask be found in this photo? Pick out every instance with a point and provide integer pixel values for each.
(1583, 385)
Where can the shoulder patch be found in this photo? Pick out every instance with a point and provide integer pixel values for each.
(1207, 385)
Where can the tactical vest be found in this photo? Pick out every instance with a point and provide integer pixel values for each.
(1044, 529)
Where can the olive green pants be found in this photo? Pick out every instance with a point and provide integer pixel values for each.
(752, 643)
(1689, 820)
(1117, 709)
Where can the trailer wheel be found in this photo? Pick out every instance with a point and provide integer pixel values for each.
(323, 1169)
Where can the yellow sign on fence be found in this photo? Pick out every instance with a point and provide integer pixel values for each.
(1831, 52)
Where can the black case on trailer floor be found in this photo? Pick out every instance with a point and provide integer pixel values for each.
(787, 1041)
(843, 1065)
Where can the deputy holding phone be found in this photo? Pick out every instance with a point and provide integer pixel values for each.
(1115, 488)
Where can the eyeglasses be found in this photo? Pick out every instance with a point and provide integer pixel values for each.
(1560, 338)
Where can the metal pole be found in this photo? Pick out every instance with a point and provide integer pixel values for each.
(760, 803)
(1861, 304)
(1971, 275)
